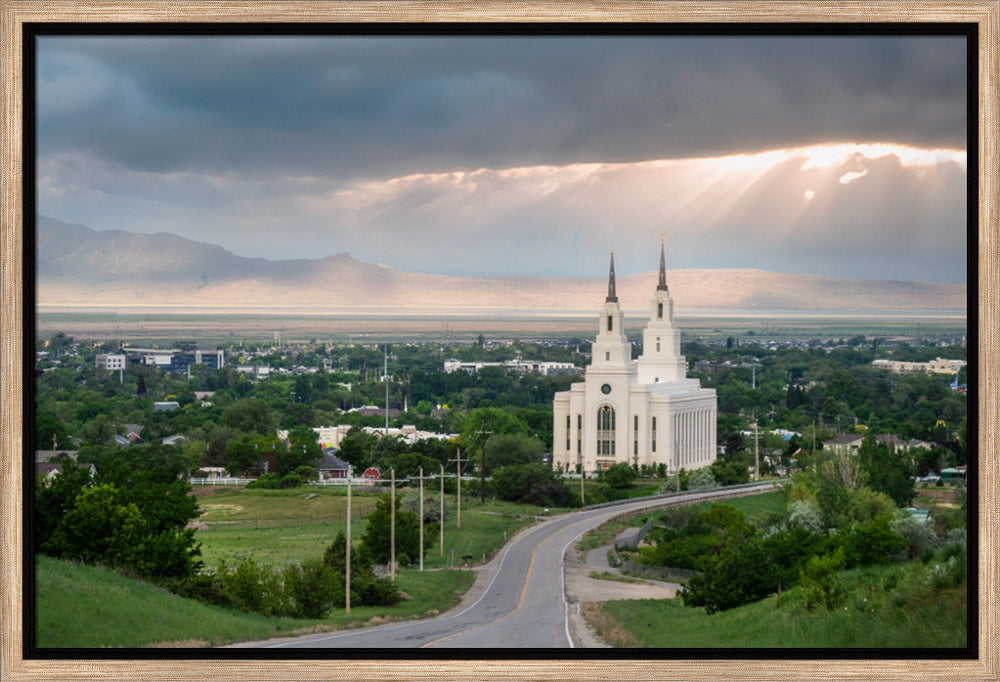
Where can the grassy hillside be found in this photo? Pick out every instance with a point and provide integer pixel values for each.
(88, 606)
(873, 614)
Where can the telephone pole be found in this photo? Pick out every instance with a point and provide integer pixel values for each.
(421, 518)
(392, 526)
(458, 488)
(482, 466)
(756, 450)
(347, 571)
(421, 478)
(441, 517)
(385, 378)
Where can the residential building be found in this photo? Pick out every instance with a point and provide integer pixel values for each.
(935, 366)
(850, 443)
(112, 362)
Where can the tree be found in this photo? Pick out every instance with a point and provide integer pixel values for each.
(377, 536)
(252, 415)
(532, 484)
(619, 475)
(506, 449)
(889, 471)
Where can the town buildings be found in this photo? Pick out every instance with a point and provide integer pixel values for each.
(642, 412)
(935, 366)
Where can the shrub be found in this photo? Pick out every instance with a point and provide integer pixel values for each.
(619, 475)
(872, 542)
(266, 482)
(740, 574)
(806, 515)
(312, 588)
(701, 479)
(820, 586)
(919, 536)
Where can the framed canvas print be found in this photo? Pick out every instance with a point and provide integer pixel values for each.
(641, 341)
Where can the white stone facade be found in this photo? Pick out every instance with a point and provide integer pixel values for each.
(643, 411)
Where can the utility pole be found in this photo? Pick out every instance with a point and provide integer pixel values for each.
(392, 527)
(421, 478)
(482, 465)
(756, 450)
(458, 488)
(347, 571)
(441, 517)
(421, 518)
(385, 378)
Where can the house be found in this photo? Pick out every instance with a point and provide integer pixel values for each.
(175, 439)
(332, 466)
(54, 455)
(953, 474)
(52, 469)
(133, 432)
(851, 442)
(122, 441)
(166, 405)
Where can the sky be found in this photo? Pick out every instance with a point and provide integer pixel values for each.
(529, 156)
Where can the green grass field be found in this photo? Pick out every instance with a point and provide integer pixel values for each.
(274, 527)
(751, 504)
(867, 618)
(88, 606)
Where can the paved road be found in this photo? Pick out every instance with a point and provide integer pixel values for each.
(524, 604)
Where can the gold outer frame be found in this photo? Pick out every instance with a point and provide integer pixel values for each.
(14, 13)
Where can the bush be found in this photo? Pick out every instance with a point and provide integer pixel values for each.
(740, 574)
(532, 484)
(820, 586)
(872, 542)
(250, 587)
(919, 536)
(266, 482)
(619, 475)
(702, 479)
(312, 588)
(805, 515)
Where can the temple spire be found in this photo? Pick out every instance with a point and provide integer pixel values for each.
(612, 297)
(662, 285)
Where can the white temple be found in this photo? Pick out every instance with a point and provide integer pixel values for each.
(643, 411)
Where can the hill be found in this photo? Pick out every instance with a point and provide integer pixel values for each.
(77, 265)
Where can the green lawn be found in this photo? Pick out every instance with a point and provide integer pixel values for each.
(87, 606)
(867, 618)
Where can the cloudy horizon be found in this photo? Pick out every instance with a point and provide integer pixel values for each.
(840, 156)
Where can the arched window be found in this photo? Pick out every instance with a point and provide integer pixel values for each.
(659, 311)
(610, 326)
(605, 430)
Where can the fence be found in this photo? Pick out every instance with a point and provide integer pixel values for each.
(220, 481)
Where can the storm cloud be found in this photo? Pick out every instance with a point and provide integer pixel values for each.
(305, 146)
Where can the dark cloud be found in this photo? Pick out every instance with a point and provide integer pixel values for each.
(376, 106)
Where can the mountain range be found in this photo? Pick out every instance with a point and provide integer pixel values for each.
(78, 266)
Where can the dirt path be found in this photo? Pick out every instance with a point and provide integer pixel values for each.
(581, 589)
